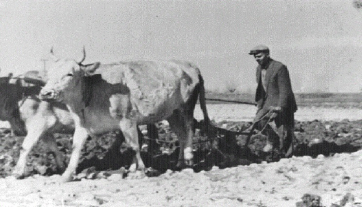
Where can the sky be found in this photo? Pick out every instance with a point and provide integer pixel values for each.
(320, 41)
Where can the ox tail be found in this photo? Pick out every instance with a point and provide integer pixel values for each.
(203, 104)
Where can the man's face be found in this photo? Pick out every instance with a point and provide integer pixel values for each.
(261, 57)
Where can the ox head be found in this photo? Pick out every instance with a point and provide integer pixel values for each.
(65, 78)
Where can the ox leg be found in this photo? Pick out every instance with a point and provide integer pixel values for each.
(79, 138)
(35, 132)
(177, 125)
(129, 130)
(53, 147)
(188, 154)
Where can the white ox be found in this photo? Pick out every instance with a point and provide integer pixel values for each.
(42, 120)
(106, 97)
(37, 119)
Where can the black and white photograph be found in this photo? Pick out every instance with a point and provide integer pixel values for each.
(182, 103)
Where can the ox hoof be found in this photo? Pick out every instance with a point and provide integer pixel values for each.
(268, 148)
(18, 175)
(189, 163)
(180, 165)
(136, 175)
(136, 167)
(133, 168)
(151, 172)
(184, 164)
(66, 177)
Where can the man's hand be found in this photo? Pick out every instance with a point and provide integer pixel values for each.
(273, 115)
(276, 109)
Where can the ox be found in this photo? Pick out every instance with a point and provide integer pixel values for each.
(122, 95)
(11, 91)
(26, 114)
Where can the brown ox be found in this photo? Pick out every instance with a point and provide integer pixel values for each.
(29, 116)
(106, 97)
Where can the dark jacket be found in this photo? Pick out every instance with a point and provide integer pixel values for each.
(278, 89)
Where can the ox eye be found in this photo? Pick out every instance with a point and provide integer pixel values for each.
(69, 75)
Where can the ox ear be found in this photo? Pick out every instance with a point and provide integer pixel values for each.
(90, 68)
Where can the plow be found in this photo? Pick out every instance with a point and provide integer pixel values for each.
(221, 146)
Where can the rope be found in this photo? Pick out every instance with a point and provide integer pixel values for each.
(269, 120)
(209, 139)
(167, 142)
(231, 101)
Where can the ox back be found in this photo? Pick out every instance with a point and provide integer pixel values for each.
(137, 89)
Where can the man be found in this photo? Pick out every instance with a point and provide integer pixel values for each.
(275, 101)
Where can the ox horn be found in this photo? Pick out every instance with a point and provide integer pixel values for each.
(80, 62)
(52, 56)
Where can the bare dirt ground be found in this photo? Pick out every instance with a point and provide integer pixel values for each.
(326, 170)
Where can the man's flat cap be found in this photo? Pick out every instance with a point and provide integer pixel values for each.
(258, 49)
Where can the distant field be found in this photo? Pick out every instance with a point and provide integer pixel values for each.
(303, 99)
(329, 106)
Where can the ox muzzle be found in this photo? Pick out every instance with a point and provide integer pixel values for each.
(46, 94)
